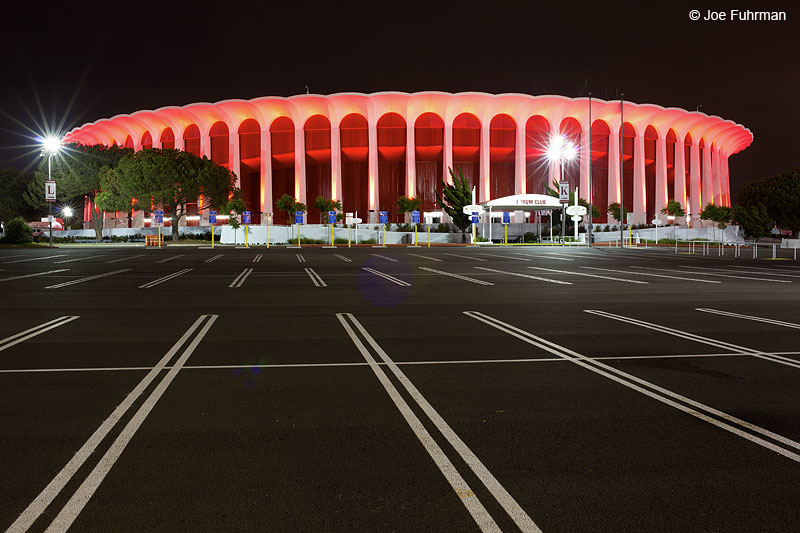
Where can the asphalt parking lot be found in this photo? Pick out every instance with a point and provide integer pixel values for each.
(398, 389)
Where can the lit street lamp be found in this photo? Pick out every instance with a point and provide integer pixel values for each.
(561, 150)
(50, 146)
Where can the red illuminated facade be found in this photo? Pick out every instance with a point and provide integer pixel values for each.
(368, 149)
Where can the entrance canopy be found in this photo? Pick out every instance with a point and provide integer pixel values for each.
(523, 202)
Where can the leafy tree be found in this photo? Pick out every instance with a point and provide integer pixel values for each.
(407, 205)
(673, 208)
(716, 213)
(13, 186)
(613, 210)
(290, 205)
(754, 220)
(323, 205)
(169, 179)
(455, 197)
(17, 231)
(780, 195)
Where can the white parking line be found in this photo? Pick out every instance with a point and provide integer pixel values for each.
(34, 259)
(591, 275)
(652, 275)
(318, 281)
(459, 485)
(81, 280)
(300, 258)
(773, 273)
(723, 420)
(343, 258)
(79, 259)
(213, 258)
(22, 336)
(34, 275)
(78, 501)
(170, 258)
(553, 256)
(465, 257)
(257, 258)
(125, 258)
(165, 278)
(697, 338)
(501, 255)
(239, 281)
(385, 276)
(712, 274)
(749, 317)
(391, 259)
(49, 493)
(427, 257)
(556, 281)
(457, 276)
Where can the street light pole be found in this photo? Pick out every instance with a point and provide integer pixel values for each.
(50, 204)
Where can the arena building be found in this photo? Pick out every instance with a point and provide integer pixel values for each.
(369, 149)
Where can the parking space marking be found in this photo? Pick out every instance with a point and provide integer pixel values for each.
(49, 493)
(79, 259)
(170, 258)
(257, 258)
(213, 258)
(386, 276)
(652, 275)
(22, 336)
(390, 259)
(165, 278)
(33, 275)
(457, 276)
(712, 274)
(427, 257)
(548, 280)
(81, 280)
(723, 420)
(746, 271)
(553, 256)
(465, 257)
(448, 470)
(592, 275)
(343, 258)
(749, 317)
(81, 497)
(318, 281)
(239, 281)
(125, 258)
(34, 259)
(769, 269)
(698, 338)
(300, 258)
(501, 255)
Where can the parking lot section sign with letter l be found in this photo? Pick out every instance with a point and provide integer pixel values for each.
(50, 191)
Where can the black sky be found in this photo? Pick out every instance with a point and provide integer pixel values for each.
(124, 58)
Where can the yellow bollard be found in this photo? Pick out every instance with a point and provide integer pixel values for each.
(246, 231)
(159, 235)
(348, 235)
(429, 235)
(384, 234)
(267, 236)
(212, 236)
(331, 234)
(506, 228)
(298, 235)
(415, 234)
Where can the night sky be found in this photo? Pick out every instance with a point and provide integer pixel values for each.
(123, 58)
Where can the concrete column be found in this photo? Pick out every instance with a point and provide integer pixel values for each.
(680, 173)
(708, 190)
(726, 179)
(554, 170)
(716, 181)
(300, 166)
(265, 176)
(448, 151)
(613, 168)
(411, 163)
(519, 166)
(694, 180)
(180, 144)
(585, 186)
(485, 160)
(336, 165)
(372, 132)
(639, 185)
(235, 156)
(661, 175)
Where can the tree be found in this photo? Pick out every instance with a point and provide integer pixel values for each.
(754, 220)
(455, 197)
(291, 206)
(323, 205)
(673, 208)
(780, 195)
(13, 186)
(169, 179)
(613, 210)
(17, 231)
(407, 205)
(716, 213)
